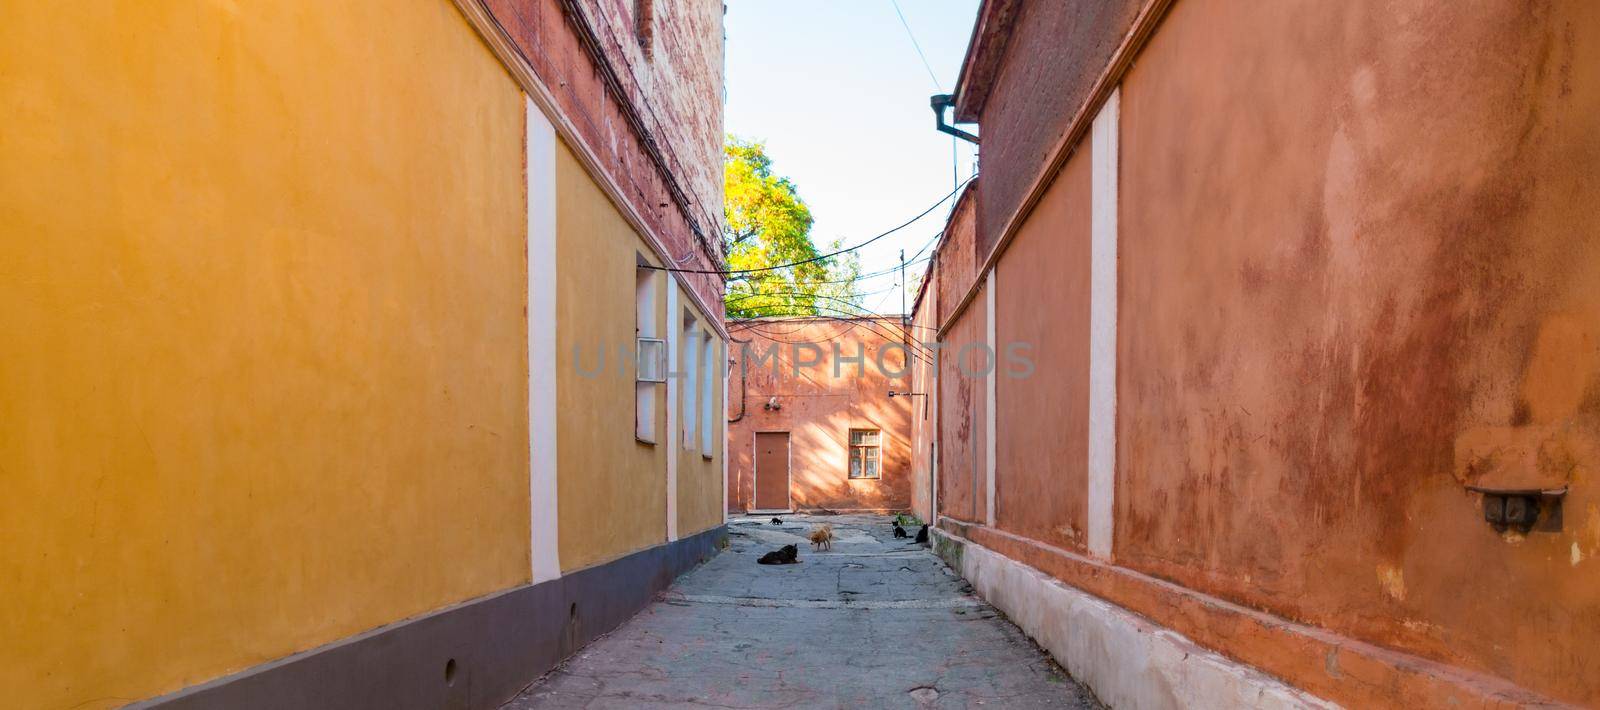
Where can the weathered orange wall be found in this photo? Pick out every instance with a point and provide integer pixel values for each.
(925, 407)
(1060, 45)
(1042, 420)
(1367, 247)
(961, 417)
(819, 409)
(956, 258)
(957, 395)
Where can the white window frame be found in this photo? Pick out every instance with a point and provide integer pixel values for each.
(850, 454)
(691, 376)
(645, 315)
(708, 367)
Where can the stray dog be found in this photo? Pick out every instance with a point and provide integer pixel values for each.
(788, 555)
(822, 537)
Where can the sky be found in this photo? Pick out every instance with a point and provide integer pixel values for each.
(838, 93)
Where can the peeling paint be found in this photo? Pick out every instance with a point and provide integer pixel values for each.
(1393, 581)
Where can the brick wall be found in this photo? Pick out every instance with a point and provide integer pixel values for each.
(651, 113)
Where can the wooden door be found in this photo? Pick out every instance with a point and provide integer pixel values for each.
(772, 470)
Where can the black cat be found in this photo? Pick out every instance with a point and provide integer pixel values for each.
(788, 555)
(777, 521)
(922, 535)
(899, 532)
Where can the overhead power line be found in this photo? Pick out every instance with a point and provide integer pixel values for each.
(829, 255)
(915, 347)
(915, 45)
(859, 277)
(798, 296)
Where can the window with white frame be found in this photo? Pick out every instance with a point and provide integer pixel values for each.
(866, 453)
(650, 353)
(709, 365)
(690, 386)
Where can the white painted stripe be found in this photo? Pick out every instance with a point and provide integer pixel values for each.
(722, 427)
(933, 493)
(670, 442)
(545, 562)
(1103, 328)
(990, 381)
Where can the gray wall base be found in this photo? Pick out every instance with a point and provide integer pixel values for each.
(499, 643)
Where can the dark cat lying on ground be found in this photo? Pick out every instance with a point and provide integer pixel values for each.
(789, 555)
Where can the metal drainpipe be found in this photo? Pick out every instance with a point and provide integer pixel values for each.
(939, 102)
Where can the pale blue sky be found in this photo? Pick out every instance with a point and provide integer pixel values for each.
(836, 90)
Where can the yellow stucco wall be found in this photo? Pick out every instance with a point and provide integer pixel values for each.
(612, 489)
(700, 502)
(262, 374)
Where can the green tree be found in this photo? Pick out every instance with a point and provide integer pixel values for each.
(767, 224)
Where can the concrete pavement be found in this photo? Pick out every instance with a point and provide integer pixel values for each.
(876, 622)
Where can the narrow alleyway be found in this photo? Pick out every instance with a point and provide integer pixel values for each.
(876, 622)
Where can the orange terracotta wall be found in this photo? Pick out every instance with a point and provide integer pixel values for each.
(925, 405)
(818, 409)
(961, 418)
(1060, 45)
(956, 260)
(1368, 248)
(957, 397)
(1042, 418)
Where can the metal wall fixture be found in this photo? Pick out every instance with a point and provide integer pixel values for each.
(1522, 510)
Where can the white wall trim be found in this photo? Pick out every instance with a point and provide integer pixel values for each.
(1125, 659)
(933, 495)
(722, 426)
(543, 462)
(1103, 328)
(989, 397)
(674, 377)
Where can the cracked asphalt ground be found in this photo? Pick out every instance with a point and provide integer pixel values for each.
(876, 622)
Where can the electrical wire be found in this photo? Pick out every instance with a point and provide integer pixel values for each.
(801, 295)
(829, 255)
(921, 353)
(915, 45)
(857, 277)
(757, 322)
(902, 334)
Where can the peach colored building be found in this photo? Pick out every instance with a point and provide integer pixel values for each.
(811, 423)
(1310, 292)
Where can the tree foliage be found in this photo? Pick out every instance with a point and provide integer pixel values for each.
(767, 224)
